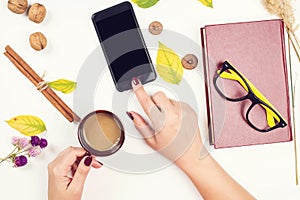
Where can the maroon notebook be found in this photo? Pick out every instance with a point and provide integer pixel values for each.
(257, 50)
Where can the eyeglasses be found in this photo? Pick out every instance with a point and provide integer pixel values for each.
(233, 86)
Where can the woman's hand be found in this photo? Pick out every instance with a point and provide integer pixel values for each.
(73, 160)
(175, 134)
(173, 130)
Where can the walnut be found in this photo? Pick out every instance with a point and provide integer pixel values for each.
(17, 6)
(37, 13)
(38, 41)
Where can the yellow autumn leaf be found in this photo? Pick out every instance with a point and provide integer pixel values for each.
(207, 3)
(63, 85)
(168, 65)
(27, 124)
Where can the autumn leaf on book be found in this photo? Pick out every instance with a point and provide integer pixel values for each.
(63, 85)
(27, 124)
(145, 3)
(168, 65)
(207, 3)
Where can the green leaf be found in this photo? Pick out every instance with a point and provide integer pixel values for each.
(168, 65)
(27, 124)
(207, 3)
(63, 85)
(145, 3)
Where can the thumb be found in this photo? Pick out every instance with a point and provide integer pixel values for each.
(81, 173)
(143, 127)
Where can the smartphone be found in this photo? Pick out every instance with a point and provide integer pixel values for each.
(123, 45)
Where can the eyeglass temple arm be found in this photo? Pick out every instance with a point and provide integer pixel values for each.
(270, 115)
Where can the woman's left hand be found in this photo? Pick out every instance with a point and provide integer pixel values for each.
(60, 184)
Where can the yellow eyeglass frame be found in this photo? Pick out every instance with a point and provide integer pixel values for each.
(273, 117)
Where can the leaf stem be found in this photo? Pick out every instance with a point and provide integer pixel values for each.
(23, 150)
(296, 39)
(295, 44)
(9, 155)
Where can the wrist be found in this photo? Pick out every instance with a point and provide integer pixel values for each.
(190, 164)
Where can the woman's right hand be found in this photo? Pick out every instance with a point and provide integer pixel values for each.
(175, 134)
(174, 130)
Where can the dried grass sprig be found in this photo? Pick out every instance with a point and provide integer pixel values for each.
(285, 10)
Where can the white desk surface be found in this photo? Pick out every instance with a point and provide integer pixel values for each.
(267, 171)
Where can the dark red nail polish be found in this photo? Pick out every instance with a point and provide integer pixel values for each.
(88, 161)
(135, 81)
(130, 115)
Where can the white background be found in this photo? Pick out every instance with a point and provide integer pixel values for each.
(267, 171)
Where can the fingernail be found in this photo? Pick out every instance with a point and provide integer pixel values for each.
(99, 162)
(136, 81)
(88, 161)
(130, 115)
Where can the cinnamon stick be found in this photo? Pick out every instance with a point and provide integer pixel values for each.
(20, 68)
(23, 64)
(49, 97)
(36, 79)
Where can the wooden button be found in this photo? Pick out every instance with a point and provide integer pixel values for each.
(155, 28)
(189, 61)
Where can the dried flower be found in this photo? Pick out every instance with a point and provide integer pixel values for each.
(20, 161)
(15, 140)
(284, 10)
(43, 143)
(34, 151)
(25, 147)
(23, 142)
(35, 141)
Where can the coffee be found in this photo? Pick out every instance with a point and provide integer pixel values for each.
(101, 133)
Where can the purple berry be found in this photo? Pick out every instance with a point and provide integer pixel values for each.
(43, 143)
(35, 141)
(20, 161)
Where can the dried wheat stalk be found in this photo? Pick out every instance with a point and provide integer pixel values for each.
(284, 10)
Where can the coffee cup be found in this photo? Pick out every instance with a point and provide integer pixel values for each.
(101, 133)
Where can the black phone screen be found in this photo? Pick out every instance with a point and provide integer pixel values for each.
(124, 48)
